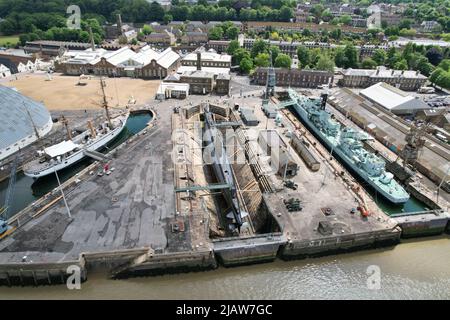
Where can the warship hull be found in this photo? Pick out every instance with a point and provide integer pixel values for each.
(303, 114)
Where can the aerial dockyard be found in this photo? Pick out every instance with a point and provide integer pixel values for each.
(204, 168)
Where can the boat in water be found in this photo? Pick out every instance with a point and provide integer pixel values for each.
(69, 152)
(347, 144)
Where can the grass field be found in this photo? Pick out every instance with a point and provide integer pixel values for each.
(11, 40)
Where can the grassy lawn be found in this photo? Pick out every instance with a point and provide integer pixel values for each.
(12, 40)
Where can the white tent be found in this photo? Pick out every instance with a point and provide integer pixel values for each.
(60, 148)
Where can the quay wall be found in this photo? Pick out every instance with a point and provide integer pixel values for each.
(248, 250)
(34, 274)
(298, 249)
(419, 224)
(170, 262)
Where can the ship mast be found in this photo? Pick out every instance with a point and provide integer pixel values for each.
(32, 122)
(65, 122)
(105, 103)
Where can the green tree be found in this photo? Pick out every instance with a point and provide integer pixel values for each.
(232, 47)
(434, 55)
(283, 61)
(401, 65)
(368, 63)
(445, 64)
(351, 56)
(405, 24)
(168, 18)
(8, 27)
(246, 65)
(379, 56)
(239, 55)
(262, 60)
(336, 34)
(216, 33)
(346, 19)
(275, 52)
(325, 63)
(339, 58)
(436, 74)
(303, 55)
(258, 47)
(444, 80)
(155, 12)
(232, 32)
(286, 13)
(147, 29)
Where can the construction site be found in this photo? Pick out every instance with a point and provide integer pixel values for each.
(207, 182)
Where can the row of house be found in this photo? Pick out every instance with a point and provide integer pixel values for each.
(403, 79)
(261, 26)
(189, 33)
(294, 77)
(290, 48)
(9, 67)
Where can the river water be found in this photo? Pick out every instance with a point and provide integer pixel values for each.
(411, 270)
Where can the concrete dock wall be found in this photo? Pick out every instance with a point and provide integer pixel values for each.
(248, 250)
(171, 262)
(419, 224)
(34, 274)
(337, 244)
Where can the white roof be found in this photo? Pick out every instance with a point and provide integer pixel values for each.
(392, 98)
(173, 86)
(167, 58)
(216, 71)
(119, 56)
(209, 56)
(3, 68)
(60, 148)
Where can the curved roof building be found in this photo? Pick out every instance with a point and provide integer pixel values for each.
(22, 120)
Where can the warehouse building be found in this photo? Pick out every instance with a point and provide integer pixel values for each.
(22, 121)
(294, 77)
(393, 99)
(403, 79)
(147, 63)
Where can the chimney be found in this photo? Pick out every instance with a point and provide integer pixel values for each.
(91, 36)
(199, 60)
(119, 24)
(392, 72)
(417, 72)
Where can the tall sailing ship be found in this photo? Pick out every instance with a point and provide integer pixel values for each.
(68, 152)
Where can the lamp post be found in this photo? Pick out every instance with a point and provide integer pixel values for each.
(440, 184)
(62, 193)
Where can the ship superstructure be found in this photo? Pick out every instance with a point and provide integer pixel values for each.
(68, 152)
(347, 144)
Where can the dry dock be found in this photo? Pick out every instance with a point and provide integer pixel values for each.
(159, 210)
(391, 130)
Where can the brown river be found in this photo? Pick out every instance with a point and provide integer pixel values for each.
(415, 269)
